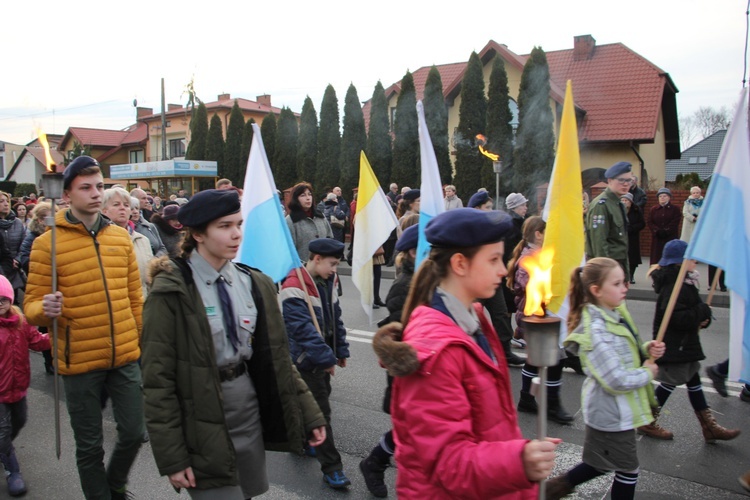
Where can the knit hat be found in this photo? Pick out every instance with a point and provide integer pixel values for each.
(515, 200)
(664, 191)
(170, 212)
(6, 289)
(629, 196)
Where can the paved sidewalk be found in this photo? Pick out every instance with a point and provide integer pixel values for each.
(641, 290)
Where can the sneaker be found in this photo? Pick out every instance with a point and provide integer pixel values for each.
(16, 485)
(121, 494)
(718, 380)
(518, 343)
(336, 479)
(745, 395)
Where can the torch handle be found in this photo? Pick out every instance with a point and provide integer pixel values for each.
(55, 360)
(541, 420)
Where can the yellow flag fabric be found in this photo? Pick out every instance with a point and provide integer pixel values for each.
(564, 208)
(373, 223)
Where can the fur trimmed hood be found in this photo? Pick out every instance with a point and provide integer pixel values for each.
(399, 358)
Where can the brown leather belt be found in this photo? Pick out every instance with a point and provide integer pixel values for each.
(232, 372)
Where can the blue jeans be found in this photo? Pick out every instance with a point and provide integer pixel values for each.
(83, 397)
(12, 419)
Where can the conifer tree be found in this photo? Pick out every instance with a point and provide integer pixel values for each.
(215, 144)
(247, 142)
(233, 149)
(436, 117)
(284, 167)
(268, 133)
(353, 142)
(196, 149)
(406, 143)
(534, 155)
(307, 150)
(378, 151)
(499, 128)
(329, 143)
(472, 116)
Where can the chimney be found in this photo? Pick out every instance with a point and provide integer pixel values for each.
(264, 99)
(583, 47)
(143, 112)
(223, 97)
(173, 107)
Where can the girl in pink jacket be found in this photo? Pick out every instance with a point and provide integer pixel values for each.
(453, 415)
(16, 338)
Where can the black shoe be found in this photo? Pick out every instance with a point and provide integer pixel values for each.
(373, 470)
(723, 289)
(632, 281)
(49, 369)
(375, 306)
(121, 495)
(514, 360)
(745, 395)
(379, 302)
(557, 413)
(574, 362)
(527, 403)
(718, 380)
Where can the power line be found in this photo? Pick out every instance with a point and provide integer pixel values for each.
(55, 111)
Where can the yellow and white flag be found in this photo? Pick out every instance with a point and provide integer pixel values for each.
(373, 223)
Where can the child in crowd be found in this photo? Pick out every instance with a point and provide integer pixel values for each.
(617, 395)
(531, 242)
(318, 342)
(681, 361)
(16, 338)
(455, 427)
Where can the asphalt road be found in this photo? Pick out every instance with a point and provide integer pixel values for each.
(685, 468)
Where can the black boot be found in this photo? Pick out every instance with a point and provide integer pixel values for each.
(510, 356)
(574, 362)
(48, 367)
(556, 412)
(373, 470)
(527, 403)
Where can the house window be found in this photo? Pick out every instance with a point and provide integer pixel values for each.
(693, 160)
(703, 159)
(393, 117)
(137, 156)
(176, 148)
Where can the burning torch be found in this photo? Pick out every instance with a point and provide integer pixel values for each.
(542, 332)
(497, 165)
(52, 185)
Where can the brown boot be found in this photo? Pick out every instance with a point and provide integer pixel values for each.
(712, 431)
(558, 487)
(655, 430)
(745, 480)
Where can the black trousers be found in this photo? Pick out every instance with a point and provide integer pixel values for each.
(319, 383)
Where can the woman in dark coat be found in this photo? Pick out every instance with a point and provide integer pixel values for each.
(169, 228)
(636, 223)
(664, 222)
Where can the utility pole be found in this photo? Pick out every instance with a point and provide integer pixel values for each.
(163, 124)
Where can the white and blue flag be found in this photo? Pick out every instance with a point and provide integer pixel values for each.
(722, 234)
(431, 191)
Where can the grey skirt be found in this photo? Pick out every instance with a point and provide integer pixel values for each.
(677, 373)
(610, 451)
(243, 422)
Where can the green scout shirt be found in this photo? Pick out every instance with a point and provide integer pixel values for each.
(606, 229)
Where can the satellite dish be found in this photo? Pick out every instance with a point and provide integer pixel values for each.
(135, 102)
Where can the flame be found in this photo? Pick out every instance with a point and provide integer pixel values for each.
(539, 287)
(48, 157)
(481, 142)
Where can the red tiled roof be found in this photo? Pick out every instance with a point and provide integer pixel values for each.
(244, 104)
(95, 136)
(57, 157)
(135, 134)
(620, 90)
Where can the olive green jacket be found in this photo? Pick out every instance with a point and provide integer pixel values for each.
(607, 229)
(183, 399)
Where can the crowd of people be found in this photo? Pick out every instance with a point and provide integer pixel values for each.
(214, 364)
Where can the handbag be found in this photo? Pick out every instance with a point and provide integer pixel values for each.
(336, 222)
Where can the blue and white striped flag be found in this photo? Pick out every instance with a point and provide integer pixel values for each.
(431, 191)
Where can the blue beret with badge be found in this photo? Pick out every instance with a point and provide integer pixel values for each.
(74, 169)
(478, 199)
(408, 239)
(208, 205)
(326, 247)
(618, 168)
(467, 227)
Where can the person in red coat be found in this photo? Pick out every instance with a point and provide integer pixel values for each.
(454, 420)
(664, 222)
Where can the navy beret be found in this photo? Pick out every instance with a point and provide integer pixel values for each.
(408, 239)
(467, 227)
(412, 195)
(618, 168)
(208, 205)
(478, 199)
(74, 168)
(326, 247)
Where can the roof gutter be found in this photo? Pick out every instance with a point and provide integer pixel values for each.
(644, 173)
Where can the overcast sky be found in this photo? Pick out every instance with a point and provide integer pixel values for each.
(81, 63)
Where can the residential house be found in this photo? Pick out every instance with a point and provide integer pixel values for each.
(31, 163)
(109, 147)
(9, 153)
(700, 158)
(625, 105)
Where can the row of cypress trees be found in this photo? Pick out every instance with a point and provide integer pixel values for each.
(315, 150)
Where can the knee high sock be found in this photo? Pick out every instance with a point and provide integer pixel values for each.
(554, 379)
(663, 392)
(581, 473)
(695, 393)
(385, 449)
(623, 487)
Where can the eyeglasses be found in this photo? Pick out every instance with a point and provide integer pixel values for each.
(624, 180)
(4, 301)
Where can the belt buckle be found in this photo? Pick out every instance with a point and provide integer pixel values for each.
(230, 373)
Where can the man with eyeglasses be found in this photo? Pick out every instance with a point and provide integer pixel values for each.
(606, 220)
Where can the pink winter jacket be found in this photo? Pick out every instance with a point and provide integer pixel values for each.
(454, 419)
(15, 370)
